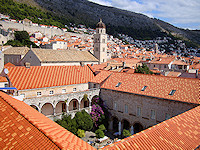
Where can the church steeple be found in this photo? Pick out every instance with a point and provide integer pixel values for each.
(100, 42)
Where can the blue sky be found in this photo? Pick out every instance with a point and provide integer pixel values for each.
(181, 13)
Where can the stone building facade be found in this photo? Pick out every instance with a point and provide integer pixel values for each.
(137, 112)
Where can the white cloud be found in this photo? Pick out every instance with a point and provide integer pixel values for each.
(102, 2)
(174, 11)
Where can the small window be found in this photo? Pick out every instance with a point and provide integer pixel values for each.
(118, 84)
(143, 88)
(172, 92)
(39, 93)
(115, 106)
(153, 114)
(51, 92)
(138, 111)
(6, 85)
(22, 95)
(126, 108)
(103, 49)
(167, 116)
(103, 41)
(63, 90)
(74, 89)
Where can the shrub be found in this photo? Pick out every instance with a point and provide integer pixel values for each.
(80, 133)
(99, 133)
(97, 114)
(126, 133)
(102, 127)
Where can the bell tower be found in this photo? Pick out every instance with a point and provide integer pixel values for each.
(100, 42)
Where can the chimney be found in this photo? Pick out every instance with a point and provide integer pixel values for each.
(124, 63)
(108, 64)
(82, 64)
(197, 73)
(27, 65)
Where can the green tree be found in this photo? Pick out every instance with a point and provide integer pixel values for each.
(68, 123)
(22, 36)
(143, 69)
(99, 133)
(126, 133)
(84, 120)
(80, 133)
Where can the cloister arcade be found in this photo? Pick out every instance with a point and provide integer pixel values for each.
(56, 106)
(118, 125)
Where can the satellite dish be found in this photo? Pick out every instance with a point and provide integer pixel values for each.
(6, 71)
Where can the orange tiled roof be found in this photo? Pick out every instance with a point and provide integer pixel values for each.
(100, 77)
(180, 132)
(9, 65)
(187, 90)
(48, 76)
(174, 74)
(163, 61)
(3, 79)
(23, 127)
(97, 67)
(179, 62)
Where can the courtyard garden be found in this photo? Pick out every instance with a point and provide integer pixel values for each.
(92, 127)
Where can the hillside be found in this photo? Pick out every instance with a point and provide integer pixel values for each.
(138, 26)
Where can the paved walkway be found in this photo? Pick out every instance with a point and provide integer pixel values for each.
(90, 137)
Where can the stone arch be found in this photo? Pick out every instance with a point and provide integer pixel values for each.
(60, 107)
(125, 124)
(73, 105)
(115, 123)
(94, 98)
(84, 103)
(137, 127)
(47, 109)
(35, 107)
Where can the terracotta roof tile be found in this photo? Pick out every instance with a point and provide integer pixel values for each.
(22, 127)
(100, 77)
(187, 90)
(9, 65)
(50, 55)
(174, 74)
(48, 76)
(3, 79)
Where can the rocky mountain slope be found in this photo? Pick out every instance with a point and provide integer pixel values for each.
(117, 21)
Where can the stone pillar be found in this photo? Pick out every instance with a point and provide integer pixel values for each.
(79, 106)
(110, 127)
(90, 107)
(132, 130)
(67, 110)
(54, 111)
(120, 128)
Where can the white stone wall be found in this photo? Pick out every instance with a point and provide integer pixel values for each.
(29, 93)
(56, 100)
